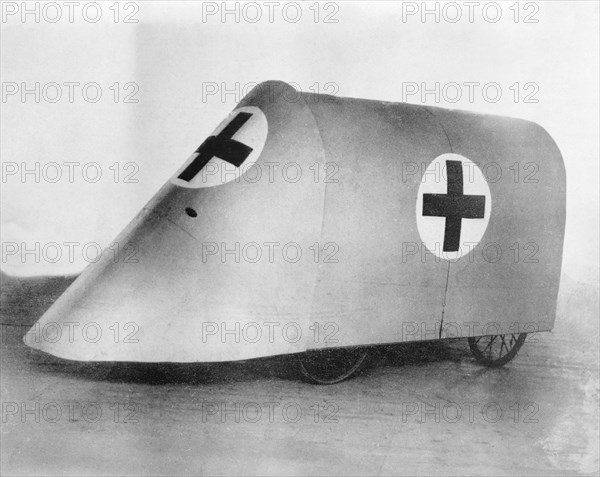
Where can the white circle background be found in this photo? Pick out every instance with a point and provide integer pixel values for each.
(216, 172)
(435, 181)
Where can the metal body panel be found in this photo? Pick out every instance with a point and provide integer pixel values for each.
(512, 285)
(375, 294)
(189, 304)
(194, 294)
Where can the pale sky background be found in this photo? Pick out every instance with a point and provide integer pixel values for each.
(171, 53)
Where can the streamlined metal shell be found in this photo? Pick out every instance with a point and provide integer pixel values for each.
(308, 221)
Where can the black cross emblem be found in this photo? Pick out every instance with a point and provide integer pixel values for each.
(454, 206)
(221, 146)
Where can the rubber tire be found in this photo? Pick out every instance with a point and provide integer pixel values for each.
(310, 361)
(496, 363)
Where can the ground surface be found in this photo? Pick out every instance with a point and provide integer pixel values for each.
(418, 410)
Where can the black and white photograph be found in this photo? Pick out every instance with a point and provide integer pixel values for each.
(300, 238)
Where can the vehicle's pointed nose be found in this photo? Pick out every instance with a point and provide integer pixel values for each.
(176, 286)
(125, 307)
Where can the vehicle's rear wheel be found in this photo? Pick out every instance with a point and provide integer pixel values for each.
(496, 350)
(330, 366)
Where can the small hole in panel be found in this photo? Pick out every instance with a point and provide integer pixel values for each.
(191, 212)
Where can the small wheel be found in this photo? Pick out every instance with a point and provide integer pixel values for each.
(496, 350)
(330, 366)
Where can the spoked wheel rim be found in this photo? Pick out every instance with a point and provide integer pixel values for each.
(330, 366)
(496, 350)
